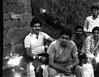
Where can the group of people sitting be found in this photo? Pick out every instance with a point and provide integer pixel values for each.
(66, 56)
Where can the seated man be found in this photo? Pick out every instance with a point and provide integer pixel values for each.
(79, 38)
(63, 56)
(91, 45)
(34, 45)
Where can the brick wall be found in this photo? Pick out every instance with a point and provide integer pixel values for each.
(15, 29)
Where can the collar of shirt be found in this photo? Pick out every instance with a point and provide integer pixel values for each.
(30, 34)
(97, 16)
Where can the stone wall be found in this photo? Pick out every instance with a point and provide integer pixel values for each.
(16, 20)
(16, 25)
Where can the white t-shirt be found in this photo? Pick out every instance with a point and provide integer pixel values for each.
(36, 45)
(90, 23)
(87, 70)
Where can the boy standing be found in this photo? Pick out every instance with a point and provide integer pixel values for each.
(92, 21)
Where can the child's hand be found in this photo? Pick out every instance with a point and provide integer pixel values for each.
(69, 67)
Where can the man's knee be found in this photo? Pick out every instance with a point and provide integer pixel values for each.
(78, 68)
(51, 72)
(78, 71)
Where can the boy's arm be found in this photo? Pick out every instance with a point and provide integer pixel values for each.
(48, 37)
(86, 25)
(96, 49)
(51, 39)
(28, 52)
(27, 47)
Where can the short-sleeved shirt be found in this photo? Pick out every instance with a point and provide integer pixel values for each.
(62, 55)
(90, 23)
(89, 45)
(36, 44)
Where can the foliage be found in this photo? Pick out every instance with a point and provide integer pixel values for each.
(63, 12)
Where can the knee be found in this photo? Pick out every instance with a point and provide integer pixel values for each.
(51, 72)
(78, 68)
(78, 71)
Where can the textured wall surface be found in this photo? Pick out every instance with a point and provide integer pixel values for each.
(68, 13)
(15, 29)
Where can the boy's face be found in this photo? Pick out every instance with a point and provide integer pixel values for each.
(95, 12)
(79, 32)
(64, 39)
(36, 27)
(96, 34)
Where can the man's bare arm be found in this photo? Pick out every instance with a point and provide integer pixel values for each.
(75, 60)
(54, 65)
(51, 39)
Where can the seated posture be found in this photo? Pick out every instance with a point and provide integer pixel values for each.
(79, 38)
(63, 58)
(91, 46)
(87, 68)
(34, 45)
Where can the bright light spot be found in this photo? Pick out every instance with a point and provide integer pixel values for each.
(17, 74)
(60, 75)
(43, 10)
(57, 76)
(90, 55)
(15, 61)
(97, 58)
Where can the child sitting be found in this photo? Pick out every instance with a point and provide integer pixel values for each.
(87, 68)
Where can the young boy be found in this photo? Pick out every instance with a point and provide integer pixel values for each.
(87, 68)
(92, 21)
(91, 47)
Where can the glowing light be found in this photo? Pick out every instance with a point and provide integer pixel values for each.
(17, 74)
(15, 61)
(42, 10)
(97, 58)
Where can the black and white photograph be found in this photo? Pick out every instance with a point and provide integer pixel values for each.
(50, 38)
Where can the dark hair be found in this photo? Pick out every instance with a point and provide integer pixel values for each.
(78, 27)
(66, 31)
(95, 28)
(94, 7)
(34, 21)
(83, 58)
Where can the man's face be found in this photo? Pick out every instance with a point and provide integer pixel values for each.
(79, 32)
(64, 39)
(95, 12)
(36, 27)
(96, 34)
